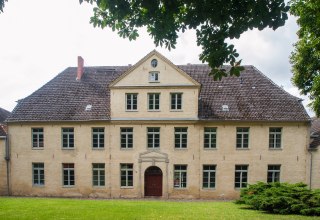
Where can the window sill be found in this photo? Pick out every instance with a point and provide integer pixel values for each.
(276, 149)
(153, 148)
(180, 188)
(243, 148)
(209, 189)
(99, 187)
(176, 110)
(181, 148)
(126, 149)
(131, 110)
(68, 186)
(126, 187)
(98, 148)
(64, 148)
(157, 110)
(154, 81)
(37, 148)
(209, 149)
(38, 186)
(239, 188)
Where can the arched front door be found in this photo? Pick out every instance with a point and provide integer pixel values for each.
(153, 181)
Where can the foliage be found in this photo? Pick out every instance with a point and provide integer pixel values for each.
(305, 58)
(215, 21)
(281, 198)
(54, 208)
(2, 5)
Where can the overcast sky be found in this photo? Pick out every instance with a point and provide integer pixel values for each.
(40, 38)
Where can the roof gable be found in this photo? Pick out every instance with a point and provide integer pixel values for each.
(168, 73)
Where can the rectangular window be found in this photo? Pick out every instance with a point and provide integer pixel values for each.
(241, 176)
(176, 101)
(273, 173)
(97, 137)
(209, 176)
(153, 101)
(38, 174)
(180, 176)
(131, 101)
(68, 174)
(126, 137)
(126, 170)
(210, 138)
(275, 137)
(37, 138)
(180, 137)
(153, 136)
(98, 174)
(154, 77)
(242, 137)
(67, 138)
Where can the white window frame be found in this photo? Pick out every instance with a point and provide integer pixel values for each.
(98, 170)
(274, 173)
(38, 176)
(128, 171)
(210, 133)
(243, 135)
(241, 170)
(153, 132)
(275, 135)
(180, 135)
(37, 138)
(130, 99)
(154, 76)
(180, 175)
(153, 101)
(211, 173)
(99, 135)
(174, 98)
(70, 172)
(127, 135)
(68, 134)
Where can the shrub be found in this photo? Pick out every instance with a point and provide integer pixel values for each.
(281, 198)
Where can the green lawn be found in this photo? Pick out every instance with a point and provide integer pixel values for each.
(51, 208)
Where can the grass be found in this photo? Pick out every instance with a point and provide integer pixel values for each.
(52, 208)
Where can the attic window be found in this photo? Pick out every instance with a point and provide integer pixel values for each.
(88, 107)
(153, 76)
(225, 108)
(154, 63)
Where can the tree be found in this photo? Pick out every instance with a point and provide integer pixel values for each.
(305, 58)
(215, 21)
(2, 5)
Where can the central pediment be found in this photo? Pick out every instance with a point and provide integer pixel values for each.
(154, 70)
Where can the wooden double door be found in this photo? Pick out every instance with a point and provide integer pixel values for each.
(153, 181)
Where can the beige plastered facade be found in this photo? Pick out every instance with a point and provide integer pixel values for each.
(3, 167)
(293, 155)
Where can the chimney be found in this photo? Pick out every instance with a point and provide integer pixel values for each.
(80, 68)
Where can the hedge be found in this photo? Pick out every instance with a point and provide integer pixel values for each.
(281, 198)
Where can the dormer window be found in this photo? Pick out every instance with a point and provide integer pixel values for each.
(153, 76)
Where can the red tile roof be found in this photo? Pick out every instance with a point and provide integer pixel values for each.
(250, 97)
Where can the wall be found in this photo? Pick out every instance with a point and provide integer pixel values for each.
(3, 167)
(292, 157)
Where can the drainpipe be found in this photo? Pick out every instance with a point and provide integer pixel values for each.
(7, 158)
(311, 157)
